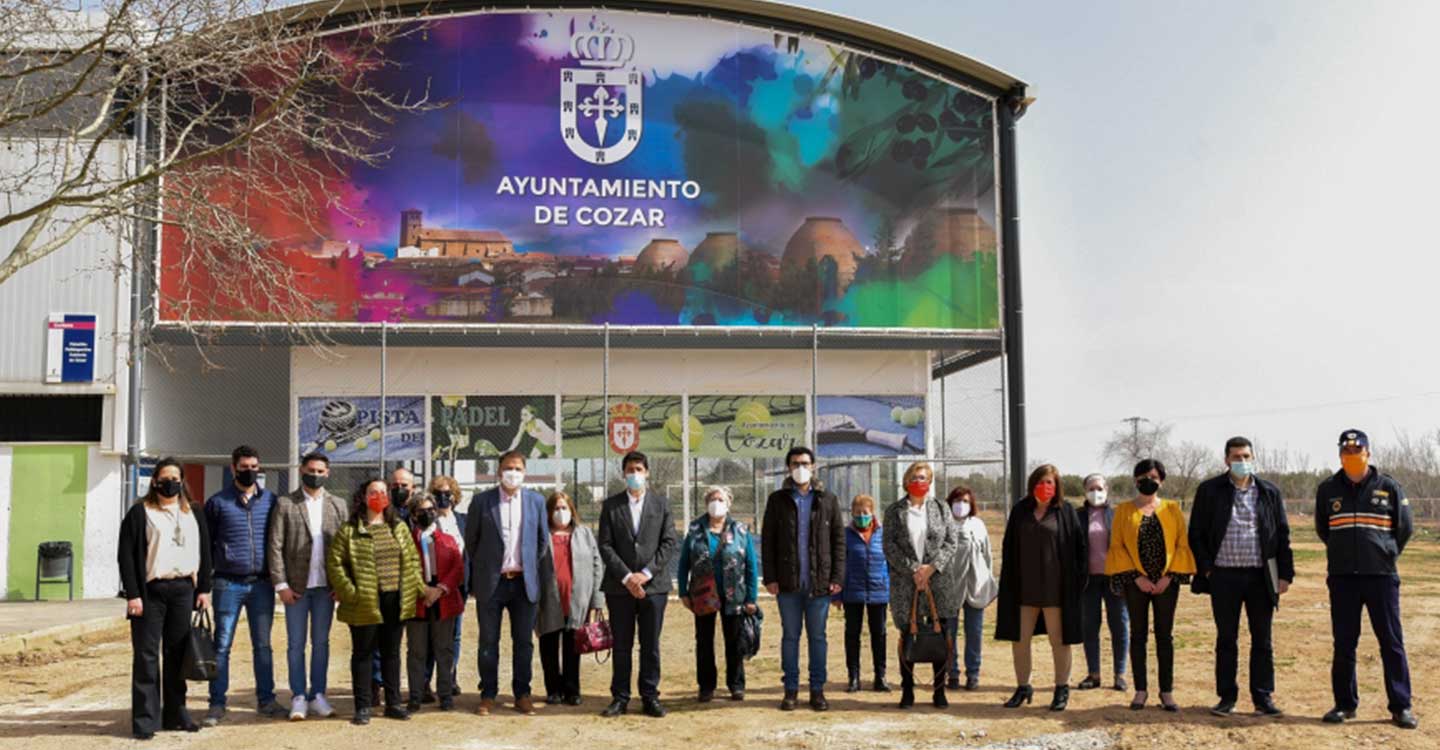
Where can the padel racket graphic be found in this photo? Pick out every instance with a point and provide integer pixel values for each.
(842, 428)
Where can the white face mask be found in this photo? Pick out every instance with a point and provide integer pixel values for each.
(718, 509)
(562, 517)
(801, 475)
(1095, 497)
(512, 478)
(961, 510)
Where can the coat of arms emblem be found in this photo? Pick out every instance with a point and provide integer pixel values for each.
(624, 427)
(600, 108)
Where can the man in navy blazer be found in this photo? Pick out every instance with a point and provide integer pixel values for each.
(508, 541)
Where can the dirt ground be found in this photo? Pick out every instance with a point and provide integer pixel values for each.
(81, 698)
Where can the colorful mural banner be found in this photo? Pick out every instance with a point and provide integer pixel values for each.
(869, 426)
(652, 424)
(348, 428)
(746, 426)
(473, 427)
(642, 169)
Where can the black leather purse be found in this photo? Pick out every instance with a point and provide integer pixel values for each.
(200, 649)
(928, 645)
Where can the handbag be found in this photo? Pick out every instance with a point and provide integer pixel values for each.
(750, 627)
(199, 663)
(705, 596)
(929, 646)
(593, 637)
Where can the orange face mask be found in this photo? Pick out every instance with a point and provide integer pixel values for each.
(1354, 463)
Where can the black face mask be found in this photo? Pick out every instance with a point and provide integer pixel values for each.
(168, 487)
(313, 481)
(246, 477)
(1147, 486)
(399, 496)
(442, 499)
(424, 518)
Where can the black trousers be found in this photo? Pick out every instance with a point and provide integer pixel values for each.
(855, 614)
(705, 673)
(366, 640)
(628, 616)
(158, 636)
(941, 668)
(1139, 604)
(561, 663)
(1232, 589)
(1380, 596)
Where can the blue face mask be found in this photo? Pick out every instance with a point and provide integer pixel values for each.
(635, 481)
(863, 521)
(1242, 469)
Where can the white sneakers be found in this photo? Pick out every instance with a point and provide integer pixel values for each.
(298, 707)
(321, 707)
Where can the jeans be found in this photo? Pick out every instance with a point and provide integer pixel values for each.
(797, 611)
(257, 598)
(1117, 616)
(1140, 604)
(314, 613)
(509, 596)
(855, 614)
(974, 640)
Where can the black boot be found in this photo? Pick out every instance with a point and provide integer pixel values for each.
(907, 688)
(939, 700)
(1022, 695)
(880, 685)
(853, 685)
(1061, 699)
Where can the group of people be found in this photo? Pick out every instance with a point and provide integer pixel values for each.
(397, 562)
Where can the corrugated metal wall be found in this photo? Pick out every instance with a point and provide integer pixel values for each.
(78, 278)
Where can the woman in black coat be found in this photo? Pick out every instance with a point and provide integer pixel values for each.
(1042, 573)
(164, 562)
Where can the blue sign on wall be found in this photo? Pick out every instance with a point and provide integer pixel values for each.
(70, 348)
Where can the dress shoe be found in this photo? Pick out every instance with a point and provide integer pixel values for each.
(617, 707)
(788, 702)
(1089, 683)
(972, 682)
(953, 683)
(1022, 695)
(486, 706)
(737, 695)
(397, 713)
(652, 708)
(939, 700)
(144, 735)
(455, 690)
(1120, 683)
(1405, 719)
(429, 696)
(1061, 699)
(185, 724)
(573, 700)
(880, 685)
(413, 707)
(705, 696)
(447, 704)
(362, 717)
(818, 702)
(1223, 708)
(1268, 708)
(554, 700)
(853, 686)
(525, 705)
(1337, 716)
(1167, 703)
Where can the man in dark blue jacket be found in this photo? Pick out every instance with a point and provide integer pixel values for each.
(239, 519)
(1241, 541)
(1364, 519)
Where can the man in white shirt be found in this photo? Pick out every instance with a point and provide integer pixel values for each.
(508, 541)
(299, 537)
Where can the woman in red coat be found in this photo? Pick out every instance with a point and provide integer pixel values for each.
(431, 635)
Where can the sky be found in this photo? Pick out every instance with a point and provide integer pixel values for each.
(1225, 214)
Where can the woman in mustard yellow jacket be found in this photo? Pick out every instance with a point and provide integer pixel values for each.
(1149, 560)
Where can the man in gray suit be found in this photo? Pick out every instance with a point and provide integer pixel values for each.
(637, 542)
(508, 540)
(300, 532)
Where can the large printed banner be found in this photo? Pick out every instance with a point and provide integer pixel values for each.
(637, 169)
(870, 426)
(473, 427)
(348, 428)
(652, 424)
(746, 426)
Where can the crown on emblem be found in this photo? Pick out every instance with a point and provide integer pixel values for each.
(624, 409)
(604, 49)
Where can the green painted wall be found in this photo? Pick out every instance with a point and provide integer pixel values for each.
(47, 503)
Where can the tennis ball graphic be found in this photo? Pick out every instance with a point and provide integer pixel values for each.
(361, 444)
(912, 417)
(375, 434)
(752, 419)
(452, 401)
(674, 432)
(486, 448)
(897, 414)
(331, 445)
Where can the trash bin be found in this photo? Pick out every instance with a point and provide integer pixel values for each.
(55, 559)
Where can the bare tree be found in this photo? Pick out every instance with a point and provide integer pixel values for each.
(1189, 463)
(245, 101)
(1142, 439)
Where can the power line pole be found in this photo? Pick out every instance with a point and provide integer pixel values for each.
(1135, 433)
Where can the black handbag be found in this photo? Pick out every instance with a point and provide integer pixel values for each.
(928, 646)
(200, 649)
(751, 624)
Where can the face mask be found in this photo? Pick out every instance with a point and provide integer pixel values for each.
(167, 487)
(561, 517)
(313, 481)
(1044, 492)
(1355, 464)
(1095, 497)
(377, 502)
(864, 520)
(246, 477)
(918, 488)
(442, 499)
(399, 496)
(801, 475)
(512, 478)
(718, 509)
(1241, 469)
(1147, 486)
(635, 481)
(425, 518)
(961, 510)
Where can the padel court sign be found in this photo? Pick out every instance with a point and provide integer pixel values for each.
(70, 348)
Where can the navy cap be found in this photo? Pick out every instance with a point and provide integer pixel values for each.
(1354, 437)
